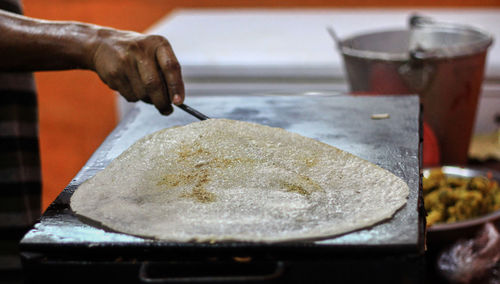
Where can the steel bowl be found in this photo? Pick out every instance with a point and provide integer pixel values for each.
(450, 232)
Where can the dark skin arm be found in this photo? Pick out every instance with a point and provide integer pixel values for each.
(140, 67)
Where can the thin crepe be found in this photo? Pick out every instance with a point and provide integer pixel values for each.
(220, 180)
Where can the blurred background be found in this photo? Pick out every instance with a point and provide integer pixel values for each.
(77, 111)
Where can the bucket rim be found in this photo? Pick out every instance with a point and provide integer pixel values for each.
(473, 48)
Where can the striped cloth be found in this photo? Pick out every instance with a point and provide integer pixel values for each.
(20, 175)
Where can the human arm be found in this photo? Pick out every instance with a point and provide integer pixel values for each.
(140, 67)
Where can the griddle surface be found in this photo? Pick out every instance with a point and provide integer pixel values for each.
(342, 121)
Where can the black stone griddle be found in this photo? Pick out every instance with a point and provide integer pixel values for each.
(62, 242)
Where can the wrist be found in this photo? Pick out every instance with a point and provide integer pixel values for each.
(89, 38)
(70, 44)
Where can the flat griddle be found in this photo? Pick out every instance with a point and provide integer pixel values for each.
(339, 120)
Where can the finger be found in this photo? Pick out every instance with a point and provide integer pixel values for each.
(171, 70)
(154, 86)
(147, 100)
(124, 88)
(136, 84)
(121, 84)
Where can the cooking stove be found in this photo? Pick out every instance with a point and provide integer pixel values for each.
(62, 247)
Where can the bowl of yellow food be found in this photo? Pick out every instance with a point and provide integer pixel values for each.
(459, 201)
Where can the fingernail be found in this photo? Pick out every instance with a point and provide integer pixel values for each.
(177, 99)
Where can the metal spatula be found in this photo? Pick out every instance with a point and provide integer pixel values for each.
(193, 112)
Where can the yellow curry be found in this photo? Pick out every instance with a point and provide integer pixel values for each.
(450, 199)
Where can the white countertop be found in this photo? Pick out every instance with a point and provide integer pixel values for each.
(291, 42)
(248, 51)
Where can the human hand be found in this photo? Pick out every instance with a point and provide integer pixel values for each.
(140, 67)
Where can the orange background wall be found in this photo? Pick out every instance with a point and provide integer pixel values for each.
(77, 111)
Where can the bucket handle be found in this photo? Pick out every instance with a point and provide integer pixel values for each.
(334, 36)
(416, 21)
(417, 73)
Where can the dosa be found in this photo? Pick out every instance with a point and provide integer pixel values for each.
(221, 180)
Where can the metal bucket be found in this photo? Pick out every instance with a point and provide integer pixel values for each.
(443, 63)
